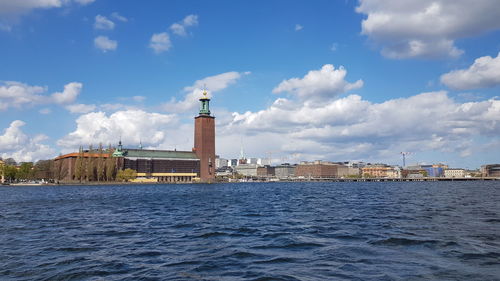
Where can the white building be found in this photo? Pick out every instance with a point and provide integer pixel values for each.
(247, 170)
(454, 173)
(221, 162)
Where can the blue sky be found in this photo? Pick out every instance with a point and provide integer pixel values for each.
(299, 80)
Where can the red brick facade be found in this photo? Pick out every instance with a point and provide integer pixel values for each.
(204, 146)
(319, 170)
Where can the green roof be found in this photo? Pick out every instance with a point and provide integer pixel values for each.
(144, 153)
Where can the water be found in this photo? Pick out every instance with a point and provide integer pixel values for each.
(259, 231)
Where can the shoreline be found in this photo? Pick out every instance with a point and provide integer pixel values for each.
(255, 181)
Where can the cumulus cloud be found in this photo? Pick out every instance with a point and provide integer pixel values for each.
(102, 22)
(8, 6)
(179, 28)
(160, 42)
(352, 128)
(133, 126)
(11, 10)
(14, 143)
(211, 84)
(17, 95)
(319, 85)
(483, 73)
(105, 44)
(426, 28)
(69, 95)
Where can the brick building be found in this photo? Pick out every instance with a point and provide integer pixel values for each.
(153, 165)
(490, 170)
(320, 169)
(266, 171)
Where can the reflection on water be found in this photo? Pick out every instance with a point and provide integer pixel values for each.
(261, 231)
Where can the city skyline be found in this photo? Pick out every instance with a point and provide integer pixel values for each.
(328, 80)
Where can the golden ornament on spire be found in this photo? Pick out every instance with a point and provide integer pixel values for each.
(204, 97)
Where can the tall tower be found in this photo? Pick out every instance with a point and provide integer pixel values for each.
(204, 140)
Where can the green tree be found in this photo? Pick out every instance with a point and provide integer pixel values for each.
(100, 164)
(79, 165)
(126, 175)
(25, 171)
(90, 165)
(110, 166)
(10, 172)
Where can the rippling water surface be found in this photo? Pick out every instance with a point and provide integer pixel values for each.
(252, 231)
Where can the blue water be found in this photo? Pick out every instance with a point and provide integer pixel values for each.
(252, 231)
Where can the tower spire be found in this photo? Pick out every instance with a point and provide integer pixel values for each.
(205, 104)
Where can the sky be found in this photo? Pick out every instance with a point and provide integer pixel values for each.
(335, 80)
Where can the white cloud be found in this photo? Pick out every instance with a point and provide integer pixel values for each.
(212, 84)
(334, 47)
(483, 73)
(119, 17)
(105, 44)
(353, 128)
(133, 126)
(12, 10)
(298, 27)
(319, 85)
(426, 28)
(16, 7)
(19, 95)
(14, 143)
(80, 108)
(179, 28)
(102, 22)
(69, 95)
(160, 42)
(16, 94)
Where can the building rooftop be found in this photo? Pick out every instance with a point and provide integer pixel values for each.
(144, 153)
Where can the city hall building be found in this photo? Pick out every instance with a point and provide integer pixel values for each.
(157, 165)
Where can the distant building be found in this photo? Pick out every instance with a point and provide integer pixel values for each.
(266, 171)
(252, 161)
(284, 171)
(220, 162)
(352, 164)
(320, 169)
(233, 162)
(435, 170)
(380, 171)
(224, 171)
(491, 170)
(247, 170)
(454, 173)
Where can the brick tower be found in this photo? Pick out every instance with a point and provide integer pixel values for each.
(204, 140)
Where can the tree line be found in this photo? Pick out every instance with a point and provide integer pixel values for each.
(90, 165)
(27, 171)
(95, 168)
